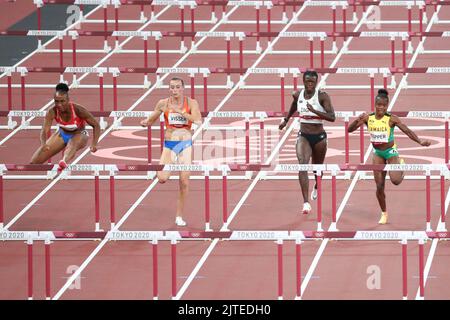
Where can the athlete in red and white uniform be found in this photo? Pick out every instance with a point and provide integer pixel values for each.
(180, 113)
(71, 119)
(314, 106)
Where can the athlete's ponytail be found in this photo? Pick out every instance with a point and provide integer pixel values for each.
(383, 93)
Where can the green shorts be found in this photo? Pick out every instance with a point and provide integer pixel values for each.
(386, 154)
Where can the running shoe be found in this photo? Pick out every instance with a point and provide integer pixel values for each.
(180, 222)
(383, 219)
(306, 208)
(314, 193)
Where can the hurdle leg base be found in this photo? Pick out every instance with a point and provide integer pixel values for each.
(334, 48)
(75, 83)
(403, 84)
(103, 123)
(393, 84)
(51, 174)
(117, 46)
(193, 47)
(155, 298)
(355, 18)
(64, 174)
(230, 83)
(405, 298)
(429, 227)
(420, 48)
(40, 47)
(280, 298)
(258, 47)
(441, 227)
(143, 18)
(97, 227)
(208, 227)
(1, 226)
(106, 48)
(225, 227)
(11, 124)
(30, 298)
(147, 83)
(263, 175)
(410, 49)
(213, 18)
(112, 225)
(298, 298)
(319, 227)
(183, 48)
(284, 18)
(48, 298)
(333, 227)
(420, 298)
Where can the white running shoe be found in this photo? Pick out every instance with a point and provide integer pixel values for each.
(180, 222)
(306, 208)
(314, 194)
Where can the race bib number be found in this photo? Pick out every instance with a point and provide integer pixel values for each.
(379, 137)
(177, 119)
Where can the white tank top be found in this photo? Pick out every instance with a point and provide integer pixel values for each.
(307, 116)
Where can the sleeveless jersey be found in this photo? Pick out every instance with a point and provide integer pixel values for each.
(173, 119)
(379, 129)
(305, 115)
(75, 122)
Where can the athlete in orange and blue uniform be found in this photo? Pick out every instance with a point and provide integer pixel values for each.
(380, 126)
(71, 119)
(174, 120)
(179, 114)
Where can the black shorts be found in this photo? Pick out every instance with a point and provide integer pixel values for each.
(313, 139)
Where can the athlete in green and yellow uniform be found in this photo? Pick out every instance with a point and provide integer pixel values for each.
(380, 126)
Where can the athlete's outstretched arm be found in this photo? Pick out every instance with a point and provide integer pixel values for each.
(292, 110)
(325, 101)
(411, 134)
(154, 115)
(358, 122)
